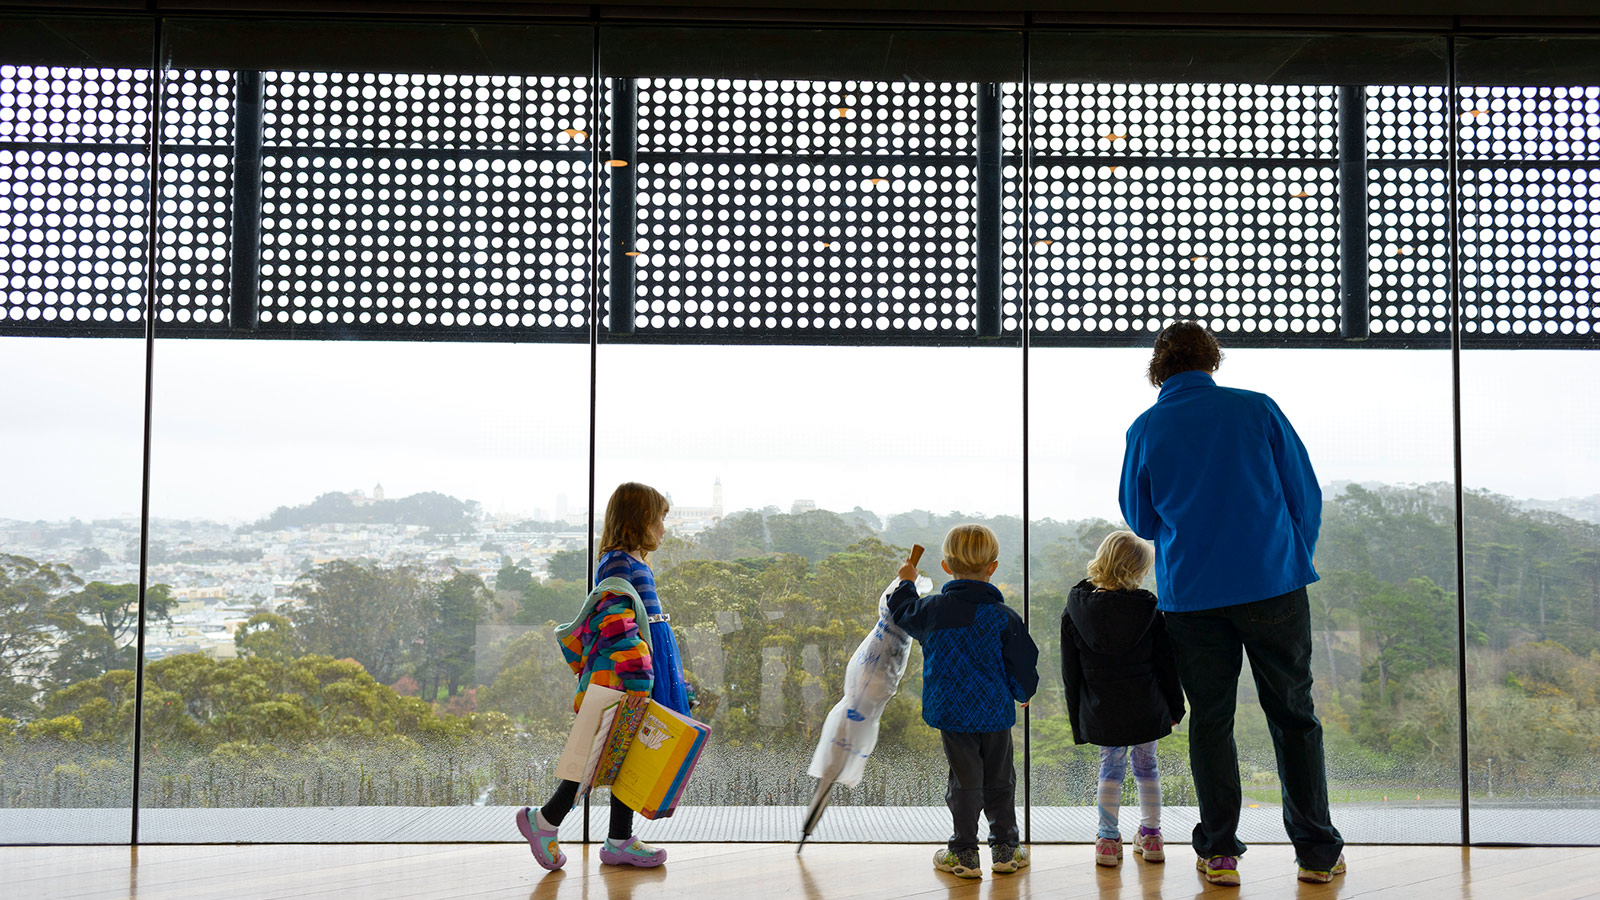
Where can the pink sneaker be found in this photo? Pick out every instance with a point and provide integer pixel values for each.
(1108, 851)
(631, 852)
(541, 837)
(1149, 845)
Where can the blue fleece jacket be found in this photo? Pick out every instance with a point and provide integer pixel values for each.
(978, 660)
(1219, 480)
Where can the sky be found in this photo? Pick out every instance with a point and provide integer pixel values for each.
(241, 427)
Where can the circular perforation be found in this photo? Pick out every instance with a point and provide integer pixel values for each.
(389, 203)
(45, 104)
(196, 206)
(748, 246)
(1245, 249)
(1142, 215)
(1530, 122)
(1408, 258)
(830, 118)
(192, 265)
(423, 242)
(197, 108)
(505, 112)
(1529, 255)
(1407, 122)
(1185, 120)
(72, 235)
(821, 208)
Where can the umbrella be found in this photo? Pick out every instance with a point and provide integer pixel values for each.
(851, 729)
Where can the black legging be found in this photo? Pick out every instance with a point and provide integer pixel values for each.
(566, 796)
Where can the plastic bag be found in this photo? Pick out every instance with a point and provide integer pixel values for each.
(871, 679)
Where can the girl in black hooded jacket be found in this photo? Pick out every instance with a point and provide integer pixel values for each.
(1122, 685)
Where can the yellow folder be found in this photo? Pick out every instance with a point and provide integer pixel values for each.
(659, 762)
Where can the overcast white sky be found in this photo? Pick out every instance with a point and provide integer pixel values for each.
(244, 426)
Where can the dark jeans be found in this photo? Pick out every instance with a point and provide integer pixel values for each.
(982, 777)
(566, 796)
(1276, 634)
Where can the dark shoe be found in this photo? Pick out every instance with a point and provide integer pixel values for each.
(960, 863)
(1007, 858)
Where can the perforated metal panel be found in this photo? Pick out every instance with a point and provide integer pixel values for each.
(441, 206)
(1530, 123)
(1407, 122)
(1408, 259)
(1184, 121)
(1131, 247)
(74, 186)
(1530, 179)
(438, 206)
(195, 210)
(1529, 251)
(831, 211)
(1209, 202)
(1408, 252)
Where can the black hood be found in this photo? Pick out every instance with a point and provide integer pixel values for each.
(1110, 622)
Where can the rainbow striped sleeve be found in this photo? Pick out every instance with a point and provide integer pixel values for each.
(621, 649)
(572, 648)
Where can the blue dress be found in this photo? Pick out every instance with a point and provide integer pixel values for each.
(670, 688)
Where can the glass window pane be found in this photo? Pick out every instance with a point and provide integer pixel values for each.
(74, 182)
(1530, 162)
(1212, 190)
(831, 200)
(372, 408)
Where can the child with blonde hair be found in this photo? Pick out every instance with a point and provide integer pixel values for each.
(977, 662)
(1122, 686)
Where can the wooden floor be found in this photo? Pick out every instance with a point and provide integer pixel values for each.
(759, 872)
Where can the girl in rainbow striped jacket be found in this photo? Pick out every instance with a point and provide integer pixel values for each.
(621, 640)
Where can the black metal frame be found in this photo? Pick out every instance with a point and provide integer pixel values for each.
(244, 295)
(1453, 179)
(151, 286)
(1353, 306)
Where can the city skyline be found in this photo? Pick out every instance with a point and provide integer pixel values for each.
(241, 428)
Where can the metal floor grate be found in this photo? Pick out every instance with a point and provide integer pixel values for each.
(851, 824)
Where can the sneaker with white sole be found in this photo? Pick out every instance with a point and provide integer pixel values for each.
(1149, 845)
(631, 852)
(541, 837)
(1223, 870)
(1322, 876)
(960, 863)
(1108, 851)
(1007, 858)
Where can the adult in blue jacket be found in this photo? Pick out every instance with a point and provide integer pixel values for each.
(1219, 480)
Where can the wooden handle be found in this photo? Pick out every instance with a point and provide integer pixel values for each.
(916, 553)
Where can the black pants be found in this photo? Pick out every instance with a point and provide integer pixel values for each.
(1276, 634)
(982, 777)
(566, 796)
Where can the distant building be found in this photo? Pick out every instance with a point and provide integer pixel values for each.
(690, 519)
(802, 506)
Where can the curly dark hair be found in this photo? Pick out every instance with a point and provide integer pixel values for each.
(1183, 347)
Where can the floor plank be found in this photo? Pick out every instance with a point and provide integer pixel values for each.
(709, 871)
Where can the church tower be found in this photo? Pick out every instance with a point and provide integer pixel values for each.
(377, 492)
(716, 498)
